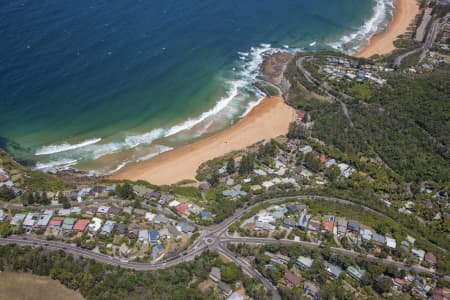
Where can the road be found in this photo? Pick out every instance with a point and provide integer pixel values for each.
(215, 238)
(428, 43)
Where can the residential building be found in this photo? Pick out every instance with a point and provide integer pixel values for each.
(156, 251)
(114, 211)
(108, 227)
(353, 226)
(64, 212)
(263, 226)
(154, 236)
(143, 235)
(355, 272)
(430, 258)
(236, 296)
(312, 290)
(378, 239)
(81, 225)
(103, 209)
(314, 225)
(17, 219)
(292, 280)
(95, 224)
(398, 283)
(206, 214)
(182, 208)
(278, 258)
(2, 215)
(185, 227)
(303, 221)
(391, 243)
(174, 232)
(149, 216)
(121, 228)
(366, 235)
(328, 224)
(55, 223)
(68, 224)
(31, 220)
(164, 233)
(161, 219)
(304, 262)
(225, 288)
(44, 219)
(341, 226)
(333, 270)
(289, 223)
(215, 274)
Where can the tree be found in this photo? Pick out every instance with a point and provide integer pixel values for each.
(247, 164)
(125, 191)
(382, 284)
(231, 166)
(332, 173)
(214, 179)
(6, 194)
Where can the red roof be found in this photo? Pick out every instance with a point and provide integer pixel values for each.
(182, 208)
(399, 281)
(328, 225)
(300, 116)
(81, 225)
(293, 279)
(56, 222)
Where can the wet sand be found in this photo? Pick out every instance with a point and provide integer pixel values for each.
(267, 120)
(383, 43)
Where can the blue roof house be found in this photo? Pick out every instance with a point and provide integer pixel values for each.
(154, 236)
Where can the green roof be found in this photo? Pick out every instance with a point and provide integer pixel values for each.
(68, 223)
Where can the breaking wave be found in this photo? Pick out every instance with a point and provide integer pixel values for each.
(353, 42)
(51, 149)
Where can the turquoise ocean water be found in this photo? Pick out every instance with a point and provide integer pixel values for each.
(97, 84)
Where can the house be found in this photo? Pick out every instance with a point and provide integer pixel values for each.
(114, 211)
(292, 280)
(75, 211)
(278, 258)
(330, 163)
(341, 226)
(303, 221)
(236, 296)
(353, 226)
(306, 149)
(141, 190)
(2, 215)
(289, 223)
(173, 203)
(174, 232)
(139, 212)
(165, 199)
(55, 223)
(81, 225)
(311, 289)
(378, 239)
(430, 258)
(90, 210)
(206, 214)
(103, 209)
(355, 272)
(263, 226)
(225, 288)
(68, 224)
(154, 236)
(152, 195)
(64, 212)
(95, 224)
(333, 270)
(314, 225)
(185, 227)
(328, 224)
(156, 251)
(17, 219)
(44, 219)
(215, 274)
(164, 233)
(143, 235)
(121, 228)
(30, 220)
(366, 235)
(182, 208)
(161, 219)
(294, 207)
(111, 188)
(108, 227)
(398, 283)
(391, 243)
(304, 262)
(149, 216)
(133, 230)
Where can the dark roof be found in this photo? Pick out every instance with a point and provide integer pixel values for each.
(121, 228)
(352, 225)
(114, 210)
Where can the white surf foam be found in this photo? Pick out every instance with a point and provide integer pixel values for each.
(51, 149)
(55, 165)
(360, 37)
(313, 44)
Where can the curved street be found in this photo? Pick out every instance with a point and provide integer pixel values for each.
(216, 238)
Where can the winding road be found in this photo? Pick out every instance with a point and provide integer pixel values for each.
(216, 238)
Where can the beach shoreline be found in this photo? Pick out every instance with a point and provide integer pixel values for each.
(269, 119)
(405, 12)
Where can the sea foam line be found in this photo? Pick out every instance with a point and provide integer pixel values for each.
(51, 149)
(367, 30)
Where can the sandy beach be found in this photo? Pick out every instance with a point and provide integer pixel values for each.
(383, 43)
(269, 119)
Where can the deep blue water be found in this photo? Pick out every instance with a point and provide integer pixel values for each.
(72, 71)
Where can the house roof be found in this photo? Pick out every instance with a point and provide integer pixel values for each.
(182, 208)
(161, 219)
(56, 222)
(293, 279)
(154, 235)
(304, 261)
(206, 214)
(185, 227)
(327, 225)
(68, 223)
(429, 257)
(80, 225)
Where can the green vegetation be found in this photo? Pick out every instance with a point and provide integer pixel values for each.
(98, 281)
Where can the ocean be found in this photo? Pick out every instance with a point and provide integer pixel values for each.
(95, 85)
